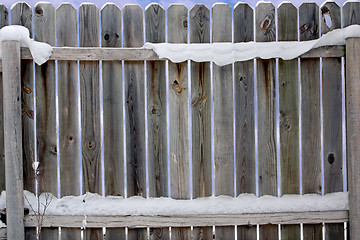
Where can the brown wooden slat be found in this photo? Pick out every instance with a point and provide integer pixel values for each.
(310, 110)
(90, 107)
(265, 31)
(289, 114)
(244, 113)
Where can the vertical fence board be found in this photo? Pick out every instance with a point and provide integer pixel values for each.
(352, 133)
(332, 118)
(112, 111)
(289, 114)
(4, 21)
(45, 85)
(156, 112)
(177, 20)
(199, 23)
(13, 140)
(310, 113)
(351, 15)
(244, 113)
(265, 31)
(21, 14)
(90, 107)
(68, 100)
(223, 114)
(135, 110)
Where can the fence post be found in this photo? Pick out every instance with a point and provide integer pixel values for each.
(13, 139)
(352, 89)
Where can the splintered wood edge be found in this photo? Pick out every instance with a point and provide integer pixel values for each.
(140, 54)
(189, 220)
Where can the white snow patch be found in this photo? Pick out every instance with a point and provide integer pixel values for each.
(226, 53)
(94, 204)
(259, 2)
(2, 225)
(40, 51)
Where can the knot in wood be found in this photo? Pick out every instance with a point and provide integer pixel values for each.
(53, 149)
(91, 145)
(185, 23)
(27, 90)
(176, 86)
(30, 114)
(331, 158)
(71, 138)
(39, 11)
(155, 111)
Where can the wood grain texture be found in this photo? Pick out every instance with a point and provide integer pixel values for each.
(4, 21)
(13, 140)
(21, 14)
(289, 114)
(332, 117)
(351, 13)
(310, 113)
(265, 31)
(352, 99)
(45, 85)
(199, 23)
(113, 111)
(68, 102)
(244, 113)
(156, 113)
(90, 108)
(223, 114)
(177, 23)
(135, 110)
(192, 220)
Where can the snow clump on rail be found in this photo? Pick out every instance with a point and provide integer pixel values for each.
(39, 50)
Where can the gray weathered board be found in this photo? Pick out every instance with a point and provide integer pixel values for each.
(265, 31)
(332, 117)
(244, 113)
(45, 85)
(177, 23)
(21, 14)
(199, 23)
(90, 107)
(113, 111)
(156, 113)
(68, 107)
(310, 113)
(223, 114)
(4, 21)
(289, 114)
(134, 110)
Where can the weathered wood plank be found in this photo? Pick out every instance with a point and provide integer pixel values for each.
(265, 31)
(223, 114)
(45, 85)
(192, 220)
(4, 21)
(332, 118)
(112, 111)
(177, 24)
(135, 110)
(68, 102)
(13, 140)
(21, 14)
(289, 114)
(90, 107)
(352, 132)
(310, 113)
(351, 13)
(244, 113)
(199, 23)
(156, 113)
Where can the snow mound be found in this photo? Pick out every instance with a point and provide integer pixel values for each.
(39, 50)
(2, 225)
(227, 53)
(94, 204)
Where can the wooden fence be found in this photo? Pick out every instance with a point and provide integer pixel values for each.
(171, 111)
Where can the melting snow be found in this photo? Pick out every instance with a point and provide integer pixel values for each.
(40, 51)
(226, 53)
(94, 204)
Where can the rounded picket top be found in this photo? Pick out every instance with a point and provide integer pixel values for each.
(308, 21)
(4, 16)
(177, 23)
(154, 23)
(88, 25)
(330, 17)
(243, 22)
(110, 25)
(133, 25)
(44, 22)
(21, 14)
(265, 24)
(199, 24)
(66, 25)
(221, 22)
(287, 22)
(351, 13)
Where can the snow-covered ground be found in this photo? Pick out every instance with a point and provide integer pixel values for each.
(226, 53)
(94, 204)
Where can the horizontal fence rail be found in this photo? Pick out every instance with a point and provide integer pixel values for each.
(106, 116)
